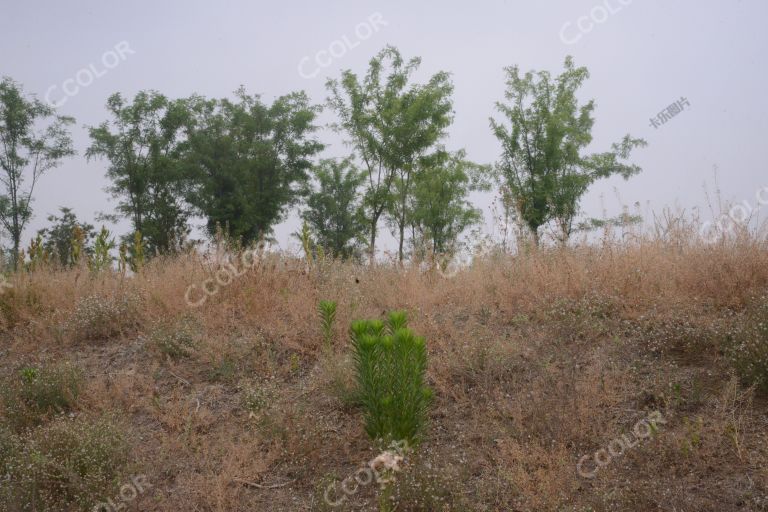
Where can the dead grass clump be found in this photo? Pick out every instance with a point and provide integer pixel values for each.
(424, 485)
(684, 333)
(177, 339)
(98, 317)
(748, 350)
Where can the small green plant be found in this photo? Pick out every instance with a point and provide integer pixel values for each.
(38, 255)
(77, 245)
(34, 394)
(294, 364)
(305, 236)
(391, 364)
(102, 259)
(136, 253)
(327, 311)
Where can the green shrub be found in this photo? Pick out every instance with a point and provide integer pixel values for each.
(68, 464)
(327, 311)
(391, 365)
(748, 351)
(34, 394)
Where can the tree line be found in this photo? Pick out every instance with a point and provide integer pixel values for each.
(242, 163)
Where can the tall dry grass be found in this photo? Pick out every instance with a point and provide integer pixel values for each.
(536, 359)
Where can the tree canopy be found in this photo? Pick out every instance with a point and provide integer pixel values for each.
(34, 140)
(249, 161)
(542, 161)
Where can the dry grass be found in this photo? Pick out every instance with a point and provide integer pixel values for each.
(536, 360)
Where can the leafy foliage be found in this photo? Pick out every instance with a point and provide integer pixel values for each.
(440, 209)
(101, 317)
(64, 233)
(391, 364)
(102, 259)
(390, 124)
(144, 147)
(334, 212)
(26, 154)
(248, 160)
(542, 165)
(176, 340)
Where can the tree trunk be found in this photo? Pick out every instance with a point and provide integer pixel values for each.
(16, 244)
(373, 240)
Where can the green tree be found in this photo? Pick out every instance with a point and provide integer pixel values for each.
(144, 146)
(415, 119)
(29, 149)
(390, 122)
(440, 211)
(58, 238)
(249, 161)
(334, 212)
(542, 162)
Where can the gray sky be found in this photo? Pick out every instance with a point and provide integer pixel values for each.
(643, 55)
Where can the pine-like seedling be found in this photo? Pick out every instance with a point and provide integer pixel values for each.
(327, 311)
(391, 365)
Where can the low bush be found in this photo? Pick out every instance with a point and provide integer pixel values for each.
(34, 394)
(66, 465)
(176, 340)
(97, 317)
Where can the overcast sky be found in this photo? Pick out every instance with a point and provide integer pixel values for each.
(643, 56)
